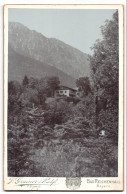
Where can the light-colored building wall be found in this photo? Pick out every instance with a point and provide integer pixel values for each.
(61, 92)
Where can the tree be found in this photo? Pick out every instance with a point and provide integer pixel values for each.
(104, 70)
(53, 83)
(25, 81)
(29, 97)
(57, 112)
(32, 82)
(104, 62)
(14, 92)
(83, 84)
(43, 90)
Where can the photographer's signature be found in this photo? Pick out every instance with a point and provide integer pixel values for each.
(22, 182)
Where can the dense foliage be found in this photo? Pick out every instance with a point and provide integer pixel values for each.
(104, 71)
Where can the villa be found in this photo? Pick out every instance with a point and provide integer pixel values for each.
(65, 91)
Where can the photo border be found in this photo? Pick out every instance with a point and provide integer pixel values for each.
(10, 183)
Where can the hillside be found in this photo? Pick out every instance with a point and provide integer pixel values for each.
(50, 51)
(19, 65)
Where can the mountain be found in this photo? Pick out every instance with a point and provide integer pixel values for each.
(19, 66)
(48, 51)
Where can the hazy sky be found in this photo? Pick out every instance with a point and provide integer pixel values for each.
(78, 28)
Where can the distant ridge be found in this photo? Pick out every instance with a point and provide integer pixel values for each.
(33, 54)
(48, 50)
(19, 66)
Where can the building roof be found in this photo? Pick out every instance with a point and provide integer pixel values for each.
(61, 87)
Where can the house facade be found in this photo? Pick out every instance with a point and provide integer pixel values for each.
(65, 91)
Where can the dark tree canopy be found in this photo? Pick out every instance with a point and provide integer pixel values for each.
(105, 73)
(83, 84)
(25, 81)
(14, 92)
(53, 83)
(105, 61)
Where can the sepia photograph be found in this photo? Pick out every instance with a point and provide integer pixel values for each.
(63, 88)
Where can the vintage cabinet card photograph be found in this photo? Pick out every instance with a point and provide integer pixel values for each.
(63, 97)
